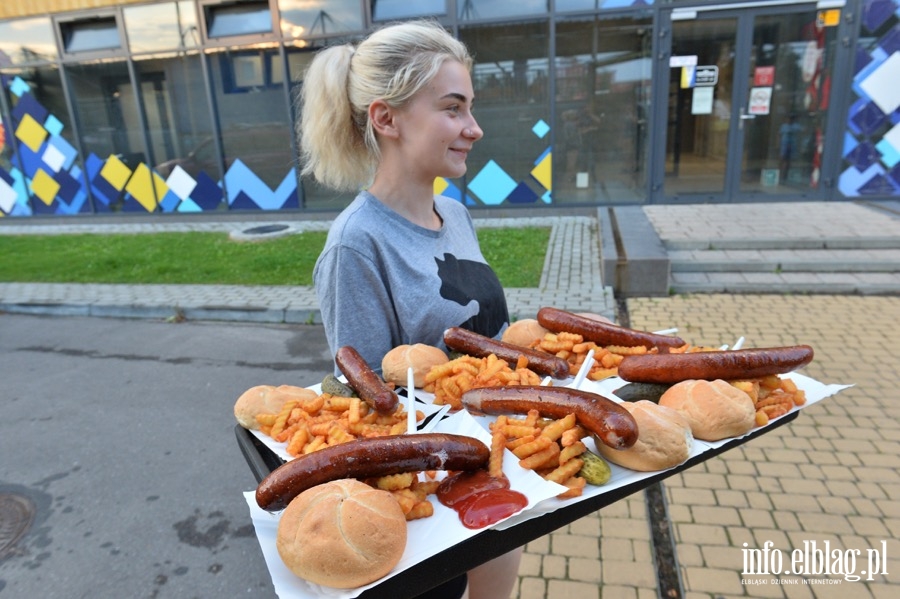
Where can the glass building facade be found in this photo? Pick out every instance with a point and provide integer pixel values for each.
(185, 106)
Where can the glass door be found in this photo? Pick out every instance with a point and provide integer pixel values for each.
(747, 102)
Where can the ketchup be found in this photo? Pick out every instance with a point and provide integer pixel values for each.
(479, 498)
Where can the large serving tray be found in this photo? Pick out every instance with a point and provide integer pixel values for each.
(526, 527)
(491, 543)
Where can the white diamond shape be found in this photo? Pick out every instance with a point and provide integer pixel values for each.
(181, 183)
(53, 158)
(881, 84)
(7, 196)
(893, 137)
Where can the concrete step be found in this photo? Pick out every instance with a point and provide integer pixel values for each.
(887, 242)
(771, 260)
(834, 283)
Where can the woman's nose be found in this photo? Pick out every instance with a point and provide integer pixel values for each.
(473, 131)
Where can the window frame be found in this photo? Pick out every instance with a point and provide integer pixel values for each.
(204, 7)
(61, 24)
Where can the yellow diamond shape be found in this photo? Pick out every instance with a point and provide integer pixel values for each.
(542, 171)
(440, 184)
(44, 186)
(146, 187)
(31, 133)
(115, 172)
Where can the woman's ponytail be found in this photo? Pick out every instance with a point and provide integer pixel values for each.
(331, 143)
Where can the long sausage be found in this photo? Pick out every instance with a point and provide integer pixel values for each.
(728, 365)
(610, 422)
(368, 385)
(480, 346)
(370, 457)
(603, 333)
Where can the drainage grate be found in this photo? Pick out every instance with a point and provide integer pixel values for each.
(262, 232)
(265, 229)
(16, 516)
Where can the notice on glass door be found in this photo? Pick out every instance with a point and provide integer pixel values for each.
(702, 100)
(760, 100)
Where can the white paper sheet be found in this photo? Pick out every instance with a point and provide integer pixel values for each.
(443, 530)
(815, 392)
(426, 536)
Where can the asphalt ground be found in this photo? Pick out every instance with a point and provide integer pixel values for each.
(120, 433)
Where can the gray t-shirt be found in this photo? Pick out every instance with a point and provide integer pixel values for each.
(383, 281)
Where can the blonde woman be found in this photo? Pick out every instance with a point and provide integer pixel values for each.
(386, 118)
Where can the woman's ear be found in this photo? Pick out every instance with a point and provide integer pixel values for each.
(381, 115)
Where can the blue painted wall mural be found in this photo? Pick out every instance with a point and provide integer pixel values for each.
(871, 147)
(44, 177)
(44, 169)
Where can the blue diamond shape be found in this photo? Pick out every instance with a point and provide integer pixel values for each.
(863, 156)
(868, 119)
(19, 87)
(492, 184)
(53, 125)
(540, 128)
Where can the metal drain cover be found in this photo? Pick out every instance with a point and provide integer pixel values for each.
(16, 516)
(265, 229)
(262, 232)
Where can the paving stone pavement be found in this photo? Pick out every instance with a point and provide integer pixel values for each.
(833, 475)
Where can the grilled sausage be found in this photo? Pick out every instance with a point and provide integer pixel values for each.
(610, 422)
(368, 385)
(731, 365)
(370, 457)
(480, 346)
(603, 333)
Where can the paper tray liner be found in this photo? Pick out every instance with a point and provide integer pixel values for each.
(429, 536)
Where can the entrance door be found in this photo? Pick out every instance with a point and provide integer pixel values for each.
(748, 96)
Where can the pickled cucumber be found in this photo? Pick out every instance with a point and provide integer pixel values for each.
(331, 385)
(638, 391)
(595, 469)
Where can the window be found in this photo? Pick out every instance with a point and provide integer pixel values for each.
(26, 41)
(88, 35)
(389, 10)
(474, 10)
(244, 17)
(255, 127)
(512, 106)
(603, 81)
(304, 18)
(168, 26)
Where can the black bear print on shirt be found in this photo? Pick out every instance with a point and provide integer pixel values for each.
(465, 280)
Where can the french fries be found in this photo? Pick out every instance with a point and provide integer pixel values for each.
(549, 447)
(574, 349)
(448, 381)
(310, 425)
(773, 396)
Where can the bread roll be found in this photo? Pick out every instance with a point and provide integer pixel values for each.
(266, 399)
(396, 363)
(524, 332)
(342, 534)
(715, 409)
(664, 439)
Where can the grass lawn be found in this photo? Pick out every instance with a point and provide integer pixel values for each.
(212, 258)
